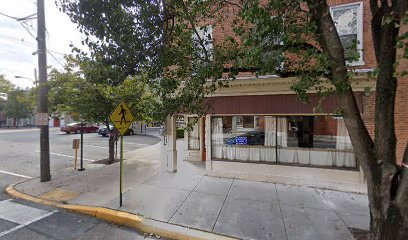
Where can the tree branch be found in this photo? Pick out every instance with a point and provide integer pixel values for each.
(200, 41)
(402, 194)
(376, 26)
(385, 140)
(330, 43)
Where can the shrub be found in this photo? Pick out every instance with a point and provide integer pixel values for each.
(180, 133)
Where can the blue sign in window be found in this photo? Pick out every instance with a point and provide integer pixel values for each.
(241, 140)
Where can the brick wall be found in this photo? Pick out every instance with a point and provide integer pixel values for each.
(220, 31)
(401, 106)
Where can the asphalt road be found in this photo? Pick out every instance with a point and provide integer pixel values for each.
(19, 160)
(19, 149)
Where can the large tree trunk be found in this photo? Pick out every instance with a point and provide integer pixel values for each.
(111, 144)
(111, 148)
(387, 183)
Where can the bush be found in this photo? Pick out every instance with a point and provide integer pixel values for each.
(180, 133)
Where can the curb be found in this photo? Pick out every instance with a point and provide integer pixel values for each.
(124, 219)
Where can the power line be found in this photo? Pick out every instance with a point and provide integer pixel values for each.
(55, 58)
(3, 14)
(29, 17)
(33, 45)
(30, 44)
(23, 24)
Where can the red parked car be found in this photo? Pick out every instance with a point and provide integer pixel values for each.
(76, 128)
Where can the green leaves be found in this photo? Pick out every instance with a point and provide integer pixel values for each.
(19, 104)
(5, 86)
(85, 92)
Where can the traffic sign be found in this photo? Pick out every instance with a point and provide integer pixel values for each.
(121, 117)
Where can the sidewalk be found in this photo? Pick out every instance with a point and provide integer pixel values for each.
(189, 199)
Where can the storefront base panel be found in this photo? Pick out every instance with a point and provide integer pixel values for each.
(342, 180)
(192, 156)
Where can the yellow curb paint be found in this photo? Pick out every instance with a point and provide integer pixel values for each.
(126, 219)
(16, 194)
(79, 208)
(59, 195)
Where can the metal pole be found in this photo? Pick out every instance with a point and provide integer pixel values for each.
(82, 148)
(45, 174)
(276, 139)
(121, 170)
(116, 151)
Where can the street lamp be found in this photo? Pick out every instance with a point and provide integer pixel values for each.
(32, 80)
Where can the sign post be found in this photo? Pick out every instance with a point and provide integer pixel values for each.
(75, 146)
(121, 117)
(82, 148)
(121, 170)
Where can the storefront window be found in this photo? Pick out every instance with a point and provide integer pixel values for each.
(301, 140)
(194, 135)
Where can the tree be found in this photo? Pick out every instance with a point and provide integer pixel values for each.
(5, 87)
(309, 36)
(301, 34)
(79, 91)
(153, 39)
(18, 104)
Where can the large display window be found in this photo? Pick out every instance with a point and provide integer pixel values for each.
(300, 140)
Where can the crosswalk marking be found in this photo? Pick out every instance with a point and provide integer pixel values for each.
(26, 223)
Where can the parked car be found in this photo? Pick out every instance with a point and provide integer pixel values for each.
(104, 132)
(76, 128)
(249, 138)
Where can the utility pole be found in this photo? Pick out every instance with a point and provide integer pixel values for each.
(43, 97)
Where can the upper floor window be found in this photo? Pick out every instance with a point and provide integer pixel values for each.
(348, 19)
(202, 36)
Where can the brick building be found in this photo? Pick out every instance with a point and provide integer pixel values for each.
(259, 130)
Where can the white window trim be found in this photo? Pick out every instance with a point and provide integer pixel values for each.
(360, 29)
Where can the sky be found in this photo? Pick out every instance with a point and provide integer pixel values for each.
(17, 45)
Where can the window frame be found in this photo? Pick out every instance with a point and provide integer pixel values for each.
(360, 28)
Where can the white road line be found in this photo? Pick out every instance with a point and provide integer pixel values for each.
(103, 147)
(95, 146)
(15, 174)
(67, 156)
(27, 223)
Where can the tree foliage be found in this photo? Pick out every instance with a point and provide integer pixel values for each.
(79, 89)
(19, 104)
(82, 91)
(5, 87)
(288, 38)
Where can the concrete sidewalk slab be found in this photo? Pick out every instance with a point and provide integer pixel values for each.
(248, 219)
(214, 185)
(251, 190)
(152, 201)
(355, 221)
(301, 196)
(347, 202)
(189, 205)
(200, 210)
(177, 181)
(308, 223)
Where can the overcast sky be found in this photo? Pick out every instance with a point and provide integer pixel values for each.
(17, 45)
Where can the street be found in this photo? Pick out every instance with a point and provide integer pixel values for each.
(19, 160)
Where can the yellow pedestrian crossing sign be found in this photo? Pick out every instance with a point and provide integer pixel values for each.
(121, 117)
